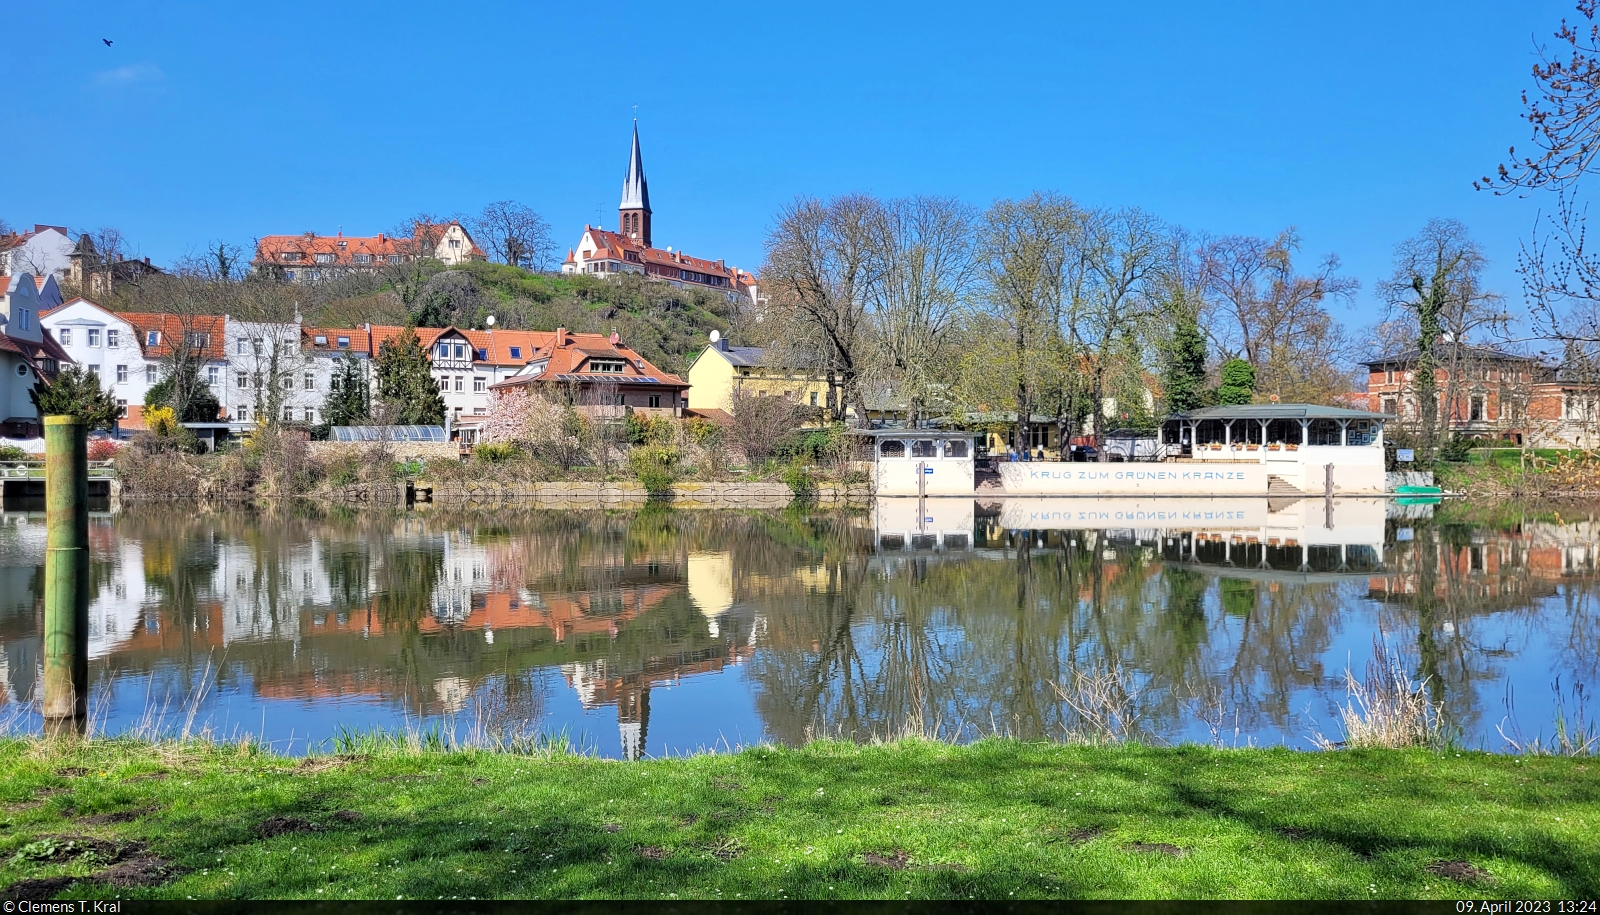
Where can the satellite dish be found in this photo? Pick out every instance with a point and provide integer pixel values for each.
(489, 320)
(716, 335)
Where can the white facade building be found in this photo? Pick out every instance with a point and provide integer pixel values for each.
(44, 252)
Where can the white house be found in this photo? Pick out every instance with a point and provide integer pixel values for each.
(107, 344)
(27, 351)
(44, 252)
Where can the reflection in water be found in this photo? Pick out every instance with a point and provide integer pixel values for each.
(669, 632)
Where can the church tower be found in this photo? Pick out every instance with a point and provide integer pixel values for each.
(634, 211)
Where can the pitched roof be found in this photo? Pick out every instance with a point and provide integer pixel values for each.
(213, 327)
(570, 360)
(635, 190)
(31, 351)
(1445, 352)
(1278, 411)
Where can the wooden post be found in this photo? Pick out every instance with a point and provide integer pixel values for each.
(1327, 497)
(66, 568)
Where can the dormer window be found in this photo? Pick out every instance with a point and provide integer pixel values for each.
(320, 340)
(362, 258)
(483, 355)
(344, 342)
(342, 244)
(394, 258)
(606, 366)
(324, 258)
(152, 338)
(516, 352)
(291, 257)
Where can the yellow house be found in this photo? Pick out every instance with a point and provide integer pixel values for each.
(721, 369)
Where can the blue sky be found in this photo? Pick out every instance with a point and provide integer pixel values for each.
(1354, 122)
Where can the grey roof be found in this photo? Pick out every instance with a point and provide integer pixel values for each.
(1444, 352)
(635, 190)
(743, 355)
(1278, 411)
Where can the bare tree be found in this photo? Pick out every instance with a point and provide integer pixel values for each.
(1269, 314)
(821, 273)
(760, 423)
(264, 347)
(1437, 285)
(514, 234)
(1124, 253)
(930, 265)
(1028, 272)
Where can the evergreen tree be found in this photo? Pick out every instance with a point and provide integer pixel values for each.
(203, 406)
(405, 382)
(1185, 376)
(1238, 383)
(349, 397)
(76, 392)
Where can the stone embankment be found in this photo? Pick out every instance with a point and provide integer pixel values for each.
(577, 494)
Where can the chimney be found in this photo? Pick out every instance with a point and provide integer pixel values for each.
(561, 336)
(723, 344)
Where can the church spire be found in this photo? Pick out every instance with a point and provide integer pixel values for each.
(634, 211)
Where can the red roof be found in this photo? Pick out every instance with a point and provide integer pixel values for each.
(212, 328)
(573, 356)
(344, 248)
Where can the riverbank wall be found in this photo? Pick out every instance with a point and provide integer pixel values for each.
(579, 495)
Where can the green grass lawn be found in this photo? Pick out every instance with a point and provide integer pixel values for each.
(914, 819)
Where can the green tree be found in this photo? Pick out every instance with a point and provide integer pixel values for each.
(1185, 375)
(349, 396)
(201, 406)
(1238, 383)
(76, 392)
(405, 382)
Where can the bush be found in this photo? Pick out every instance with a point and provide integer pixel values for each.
(1458, 449)
(655, 466)
(344, 470)
(496, 452)
(103, 449)
(640, 429)
(799, 481)
(10, 453)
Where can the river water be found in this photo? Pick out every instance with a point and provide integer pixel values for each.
(658, 632)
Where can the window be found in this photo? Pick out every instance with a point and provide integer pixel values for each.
(516, 352)
(461, 351)
(94, 337)
(442, 351)
(892, 448)
(152, 337)
(325, 258)
(483, 355)
(362, 258)
(255, 345)
(1361, 432)
(1475, 409)
(150, 374)
(310, 415)
(924, 448)
(243, 381)
(25, 318)
(93, 370)
(288, 414)
(344, 342)
(444, 384)
(478, 385)
(655, 400)
(213, 375)
(113, 339)
(460, 380)
(122, 374)
(288, 383)
(394, 258)
(66, 336)
(243, 413)
(291, 257)
(1323, 432)
(813, 398)
(310, 382)
(1390, 405)
(333, 383)
(615, 400)
(239, 347)
(956, 448)
(455, 243)
(198, 341)
(320, 340)
(607, 366)
(122, 409)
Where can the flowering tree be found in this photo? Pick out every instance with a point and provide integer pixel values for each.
(542, 425)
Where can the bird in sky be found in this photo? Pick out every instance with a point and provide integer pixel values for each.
(107, 41)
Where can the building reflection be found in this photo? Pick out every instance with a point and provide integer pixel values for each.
(919, 617)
